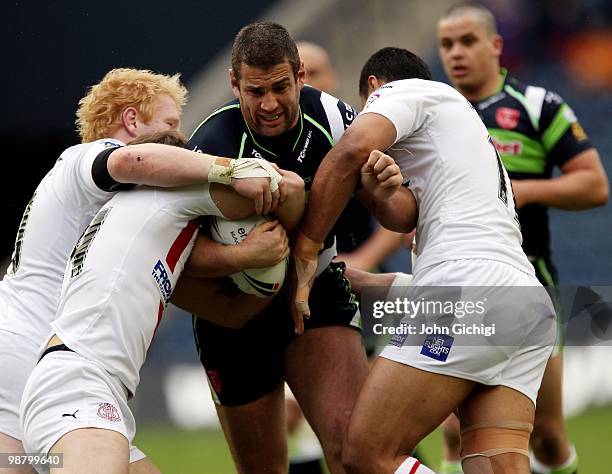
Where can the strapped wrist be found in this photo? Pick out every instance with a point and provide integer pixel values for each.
(221, 171)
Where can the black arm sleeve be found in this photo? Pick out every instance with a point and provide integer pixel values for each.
(101, 176)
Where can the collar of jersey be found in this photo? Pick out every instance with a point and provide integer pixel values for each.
(252, 135)
(503, 75)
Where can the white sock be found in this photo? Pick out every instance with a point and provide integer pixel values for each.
(399, 286)
(569, 466)
(413, 466)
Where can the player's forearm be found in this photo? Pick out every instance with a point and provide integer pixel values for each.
(214, 301)
(581, 189)
(159, 165)
(210, 259)
(291, 211)
(332, 188)
(360, 280)
(398, 213)
(380, 246)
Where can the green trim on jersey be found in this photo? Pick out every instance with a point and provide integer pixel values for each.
(503, 73)
(532, 156)
(557, 128)
(242, 142)
(227, 107)
(535, 121)
(271, 152)
(320, 127)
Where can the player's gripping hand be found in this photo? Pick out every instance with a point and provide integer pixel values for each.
(253, 178)
(301, 276)
(266, 245)
(381, 176)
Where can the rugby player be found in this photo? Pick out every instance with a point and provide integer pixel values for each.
(467, 236)
(119, 279)
(275, 116)
(124, 105)
(534, 131)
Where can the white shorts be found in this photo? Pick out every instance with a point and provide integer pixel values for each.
(66, 392)
(18, 356)
(500, 326)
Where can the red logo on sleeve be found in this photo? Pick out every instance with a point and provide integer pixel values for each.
(507, 118)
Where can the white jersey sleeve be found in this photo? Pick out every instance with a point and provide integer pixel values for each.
(404, 107)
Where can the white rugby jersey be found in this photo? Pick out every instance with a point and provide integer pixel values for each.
(122, 272)
(463, 193)
(60, 209)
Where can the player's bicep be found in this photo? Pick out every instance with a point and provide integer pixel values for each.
(101, 175)
(373, 130)
(587, 160)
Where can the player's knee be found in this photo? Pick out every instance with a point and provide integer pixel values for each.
(450, 431)
(360, 453)
(357, 462)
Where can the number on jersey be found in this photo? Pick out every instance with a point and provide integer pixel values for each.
(16, 258)
(80, 250)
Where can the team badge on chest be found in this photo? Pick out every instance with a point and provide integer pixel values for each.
(507, 118)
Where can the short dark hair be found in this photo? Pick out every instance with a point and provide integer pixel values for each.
(264, 45)
(484, 15)
(392, 64)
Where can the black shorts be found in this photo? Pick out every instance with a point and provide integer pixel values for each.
(245, 364)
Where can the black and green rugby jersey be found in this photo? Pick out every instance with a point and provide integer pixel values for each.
(533, 130)
(323, 119)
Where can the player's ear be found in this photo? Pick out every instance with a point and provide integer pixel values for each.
(498, 45)
(234, 83)
(301, 75)
(373, 84)
(129, 120)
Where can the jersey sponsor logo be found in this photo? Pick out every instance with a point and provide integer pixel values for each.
(513, 148)
(507, 118)
(349, 115)
(578, 132)
(302, 154)
(553, 98)
(108, 412)
(437, 346)
(160, 275)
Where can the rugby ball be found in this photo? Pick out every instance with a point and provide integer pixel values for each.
(261, 282)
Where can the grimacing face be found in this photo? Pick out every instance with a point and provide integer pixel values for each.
(469, 55)
(269, 98)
